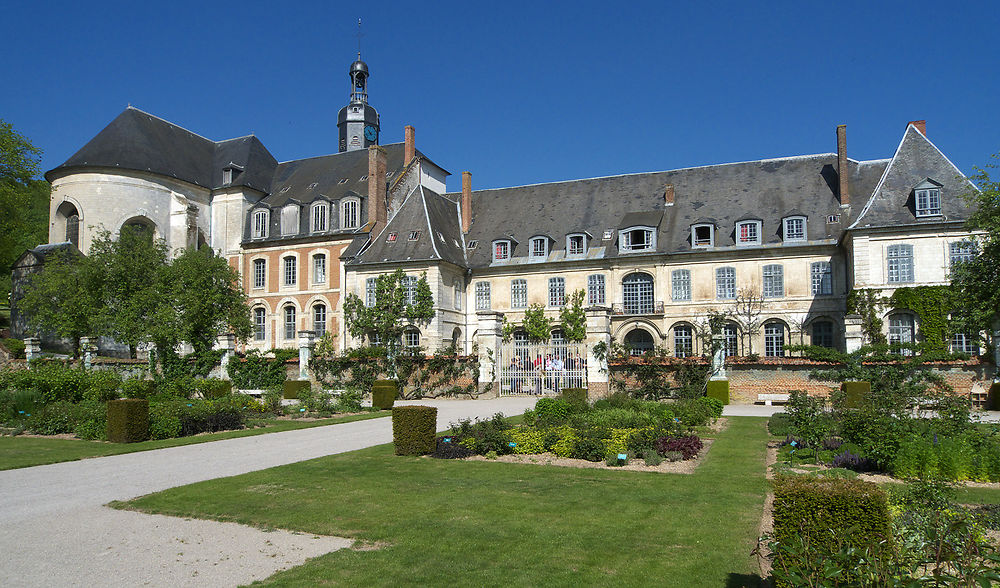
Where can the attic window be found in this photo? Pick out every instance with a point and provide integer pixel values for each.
(312, 185)
(440, 237)
(794, 228)
(748, 232)
(539, 248)
(227, 176)
(473, 244)
(637, 239)
(414, 235)
(388, 174)
(342, 181)
(702, 235)
(928, 199)
(608, 235)
(576, 244)
(363, 178)
(391, 238)
(833, 218)
(283, 190)
(501, 250)
(261, 220)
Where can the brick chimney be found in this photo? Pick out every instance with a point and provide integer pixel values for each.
(842, 169)
(409, 144)
(376, 188)
(668, 195)
(921, 126)
(466, 201)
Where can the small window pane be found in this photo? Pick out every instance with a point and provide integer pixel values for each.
(412, 338)
(501, 250)
(319, 268)
(319, 217)
(410, 289)
(260, 221)
(538, 247)
(350, 215)
(962, 343)
(748, 233)
(576, 246)
(637, 294)
(680, 286)
(795, 229)
(518, 294)
(290, 220)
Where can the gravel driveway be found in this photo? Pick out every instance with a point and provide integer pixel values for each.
(57, 533)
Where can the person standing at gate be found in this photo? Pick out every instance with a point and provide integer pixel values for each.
(539, 372)
(571, 371)
(548, 371)
(557, 372)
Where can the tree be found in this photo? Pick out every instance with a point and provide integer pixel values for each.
(398, 298)
(62, 299)
(24, 200)
(747, 307)
(976, 282)
(573, 319)
(537, 326)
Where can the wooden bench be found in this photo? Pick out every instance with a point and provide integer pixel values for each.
(769, 399)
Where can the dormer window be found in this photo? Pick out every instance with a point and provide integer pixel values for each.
(261, 220)
(637, 239)
(501, 250)
(576, 245)
(748, 232)
(349, 214)
(414, 235)
(539, 248)
(703, 235)
(391, 237)
(927, 197)
(227, 176)
(319, 215)
(794, 228)
(290, 219)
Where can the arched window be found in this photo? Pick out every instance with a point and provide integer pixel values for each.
(683, 341)
(456, 338)
(289, 322)
(259, 324)
(140, 225)
(637, 293)
(822, 333)
(774, 339)
(350, 214)
(261, 220)
(69, 213)
(319, 319)
(638, 341)
(901, 330)
(290, 219)
(731, 339)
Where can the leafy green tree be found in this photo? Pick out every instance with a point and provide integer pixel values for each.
(24, 200)
(976, 283)
(392, 309)
(63, 298)
(536, 324)
(573, 319)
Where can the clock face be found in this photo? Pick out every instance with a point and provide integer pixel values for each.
(371, 133)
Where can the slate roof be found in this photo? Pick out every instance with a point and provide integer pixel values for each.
(249, 155)
(41, 254)
(437, 221)
(891, 202)
(768, 189)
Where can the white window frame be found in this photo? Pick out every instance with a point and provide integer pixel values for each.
(501, 250)
(289, 270)
(519, 293)
(626, 245)
(962, 343)
(483, 296)
(902, 329)
(754, 226)
(261, 223)
(683, 335)
(409, 284)
(286, 324)
(350, 213)
(821, 278)
(320, 217)
(538, 248)
(927, 200)
(774, 339)
(960, 252)
(259, 323)
(638, 293)
(727, 273)
(319, 325)
(698, 243)
(319, 268)
(227, 176)
(557, 291)
(411, 338)
(773, 282)
(680, 285)
(596, 291)
(569, 245)
(371, 289)
(258, 271)
(899, 264)
(790, 234)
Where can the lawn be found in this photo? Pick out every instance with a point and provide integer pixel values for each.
(21, 452)
(439, 522)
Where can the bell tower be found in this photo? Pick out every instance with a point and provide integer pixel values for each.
(358, 121)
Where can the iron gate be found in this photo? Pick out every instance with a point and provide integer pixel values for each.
(541, 368)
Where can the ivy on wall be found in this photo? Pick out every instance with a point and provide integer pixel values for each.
(931, 304)
(868, 304)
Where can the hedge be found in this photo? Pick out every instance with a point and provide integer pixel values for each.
(384, 394)
(855, 393)
(212, 389)
(575, 396)
(993, 400)
(829, 512)
(413, 429)
(292, 388)
(718, 389)
(128, 420)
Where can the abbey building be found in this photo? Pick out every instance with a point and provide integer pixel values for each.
(653, 252)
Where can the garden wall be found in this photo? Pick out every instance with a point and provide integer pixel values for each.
(780, 375)
(422, 377)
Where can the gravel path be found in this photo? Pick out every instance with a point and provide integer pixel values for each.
(57, 533)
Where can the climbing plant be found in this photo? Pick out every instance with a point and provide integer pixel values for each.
(391, 310)
(868, 304)
(932, 305)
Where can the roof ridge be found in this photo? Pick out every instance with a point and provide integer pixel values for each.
(332, 154)
(163, 120)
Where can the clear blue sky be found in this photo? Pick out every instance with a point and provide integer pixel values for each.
(517, 92)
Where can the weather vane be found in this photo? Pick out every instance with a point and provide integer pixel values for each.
(360, 34)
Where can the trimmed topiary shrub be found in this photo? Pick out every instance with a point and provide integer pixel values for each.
(413, 429)
(828, 513)
(128, 420)
(714, 404)
(138, 388)
(211, 388)
(293, 387)
(718, 389)
(384, 394)
(855, 393)
(575, 396)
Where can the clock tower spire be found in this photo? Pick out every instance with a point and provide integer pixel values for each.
(358, 121)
